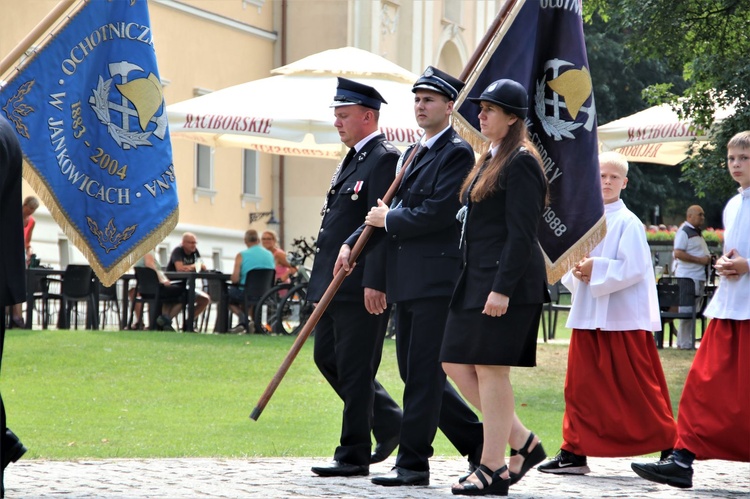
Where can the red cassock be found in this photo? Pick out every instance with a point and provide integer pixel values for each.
(713, 420)
(616, 397)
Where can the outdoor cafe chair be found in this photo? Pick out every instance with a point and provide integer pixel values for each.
(674, 293)
(215, 290)
(257, 283)
(108, 302)
(45, 298)
(77, 285)
(551, 310)
(148, 292)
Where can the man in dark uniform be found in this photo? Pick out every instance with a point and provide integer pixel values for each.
(12, 264)
(422, 265)
(349, 336)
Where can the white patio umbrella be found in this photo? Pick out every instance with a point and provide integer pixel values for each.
(289, 113)
(654, 135)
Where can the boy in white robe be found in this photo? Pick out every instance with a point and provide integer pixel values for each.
(714, 416)
(616, 398)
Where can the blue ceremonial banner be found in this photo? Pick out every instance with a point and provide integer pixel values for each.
(89, 110)
(540, 44)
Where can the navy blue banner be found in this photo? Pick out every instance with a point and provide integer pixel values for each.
(541, 46)
(89, 111)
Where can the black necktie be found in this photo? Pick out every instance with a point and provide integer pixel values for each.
(349, 156)
(347, 159)
(420, 154)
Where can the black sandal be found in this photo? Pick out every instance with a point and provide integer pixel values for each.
(530, 459)
(498, 487)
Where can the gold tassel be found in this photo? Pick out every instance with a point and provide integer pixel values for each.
(108, 276)
(476, 140)
(557, 269)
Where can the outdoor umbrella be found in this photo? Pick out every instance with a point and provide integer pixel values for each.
(654, 135)
(289, 113)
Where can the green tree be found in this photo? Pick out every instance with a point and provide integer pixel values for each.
(709, 42)
(619, 81)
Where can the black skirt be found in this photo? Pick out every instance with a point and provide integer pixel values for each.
(472, 337)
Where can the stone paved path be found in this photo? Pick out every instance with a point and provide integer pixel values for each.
(291, 478)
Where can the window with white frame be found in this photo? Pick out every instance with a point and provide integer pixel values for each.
(250, 176)
(250, 173)
(204, 167)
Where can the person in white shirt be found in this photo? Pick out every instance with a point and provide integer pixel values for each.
(691, 258)
(714, 414)
(616, 397)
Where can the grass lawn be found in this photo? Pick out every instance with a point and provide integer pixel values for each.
(105, 394)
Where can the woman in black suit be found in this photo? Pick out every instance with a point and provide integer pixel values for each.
(496, 306)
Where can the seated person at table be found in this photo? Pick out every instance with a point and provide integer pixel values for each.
(253, 257)
(187, 258)
(170, 294)
(284, 269)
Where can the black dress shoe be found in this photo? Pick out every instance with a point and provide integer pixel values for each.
(401, 476)
(337, 468)
(13, 449)
(384, 449)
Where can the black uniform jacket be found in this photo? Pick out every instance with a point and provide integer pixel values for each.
(501, 249)
(347, 205)
(423, 259)
(12, 264)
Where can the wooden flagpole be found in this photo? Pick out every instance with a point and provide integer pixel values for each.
(325, 300)
(486, 39)
(36, 33)
(367, 232)
(464, 129)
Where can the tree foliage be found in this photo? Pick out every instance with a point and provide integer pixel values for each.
(708, 41)
(620, 81)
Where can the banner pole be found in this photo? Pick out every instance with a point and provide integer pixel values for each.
(325, 300)
(44, 25)
(486, 39)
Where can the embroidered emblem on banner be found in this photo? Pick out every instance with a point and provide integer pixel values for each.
(569, 90)
(89, 109)
(144, 93)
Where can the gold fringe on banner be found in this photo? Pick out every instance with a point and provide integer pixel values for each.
(476, 140)
(581, 249)
(108, 276)
(10, 66)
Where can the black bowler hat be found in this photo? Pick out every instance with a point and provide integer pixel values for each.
(440, 82)
(508, 94)
(350, 93)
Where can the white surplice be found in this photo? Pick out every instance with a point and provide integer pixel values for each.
(732, 298)
(621, 295)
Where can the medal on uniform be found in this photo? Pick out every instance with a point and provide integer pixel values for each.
(357, 188)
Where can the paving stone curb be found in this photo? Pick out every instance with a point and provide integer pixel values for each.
(291, 478)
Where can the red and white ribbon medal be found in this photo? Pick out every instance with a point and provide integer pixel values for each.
(357, 188)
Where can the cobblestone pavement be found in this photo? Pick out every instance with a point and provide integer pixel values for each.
(291, 478)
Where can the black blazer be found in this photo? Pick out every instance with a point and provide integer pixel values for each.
(12, 254)
(422, 255)
(374, 165)
(501, 249)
